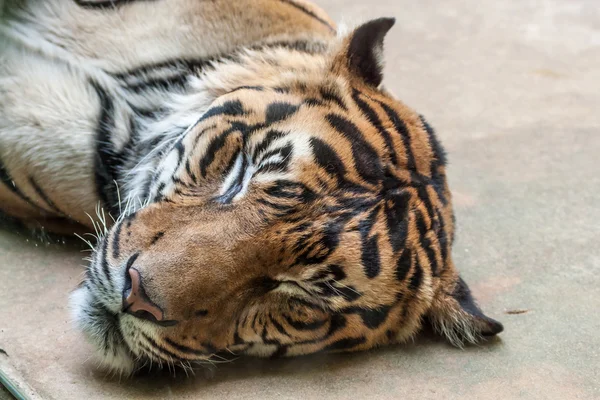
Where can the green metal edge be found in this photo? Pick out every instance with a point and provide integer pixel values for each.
(12, 388)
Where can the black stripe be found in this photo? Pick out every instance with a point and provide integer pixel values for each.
(371, 317)
(331, 289)
(370, 257)
(212, 149)
(176, 72)
(160, 349)
(279, 111)
(438, 181)
(431, 255)
(373, 118)
(277, 325)
(269, 138)
(102, 5)
(181, 68)
(168, 65)
(337, 322)
(237, 340)
(192, 175)
(280, 352)
(254, 320)
(236, 187)
(366, 159)
(255, 88)
(149, 350)
(157, 237)
(275, 206)
(348, 292)
(44, 196)
(105, 267)
(402, 130)
(424, 228)
(266, 340)
(7, 179)
(424, 197)
(229, 108)
(305, 326)
(436, 146)
(403, 265)
(180, 152)
(177, 81)
(370, 250)
(417, 276)
(312, 102)
(308, 12)
(185, 349)
(328, 159)
(159, 196)
(200, 134)
(284, 152)
(95, 269)
(302, 302)
(396, 207)
(443, 240)
(345, 344)
(328, 242)
(285, 189)
(107, 161)
(116, 248)
(330, 95)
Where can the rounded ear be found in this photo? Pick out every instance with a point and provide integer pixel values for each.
(457, 316)
(364, 51)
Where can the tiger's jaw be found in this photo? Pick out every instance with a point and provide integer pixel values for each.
(103, 330)
(96, 309)
(123, 343)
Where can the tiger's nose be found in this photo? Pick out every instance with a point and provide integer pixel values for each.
(137, 303)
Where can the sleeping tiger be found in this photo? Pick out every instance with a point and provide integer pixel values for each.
(263, 193)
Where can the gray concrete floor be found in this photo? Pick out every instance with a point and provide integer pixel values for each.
(513, 88)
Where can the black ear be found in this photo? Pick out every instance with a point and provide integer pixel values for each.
(457, 316)
(365, 52)
(485, 325)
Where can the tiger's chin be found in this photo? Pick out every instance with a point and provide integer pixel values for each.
(103, 331)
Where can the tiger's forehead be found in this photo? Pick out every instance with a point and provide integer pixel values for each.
(325, 136)
(253, 133)
(266, 130)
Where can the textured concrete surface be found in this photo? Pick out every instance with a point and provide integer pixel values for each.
(513, 88)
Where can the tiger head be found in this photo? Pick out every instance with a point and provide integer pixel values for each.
(305, 210)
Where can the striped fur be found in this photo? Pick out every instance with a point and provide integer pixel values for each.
(274, 198)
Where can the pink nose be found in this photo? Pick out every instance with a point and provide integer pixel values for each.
(136, 302)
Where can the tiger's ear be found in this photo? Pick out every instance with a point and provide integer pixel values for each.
(363, 53)
(457, 316)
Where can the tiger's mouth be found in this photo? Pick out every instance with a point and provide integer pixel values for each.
(123, 344)
(103, 329)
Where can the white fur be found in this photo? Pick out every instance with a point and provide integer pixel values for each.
(230, 178)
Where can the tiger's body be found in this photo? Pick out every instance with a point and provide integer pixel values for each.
(270, 197)
(63, 62)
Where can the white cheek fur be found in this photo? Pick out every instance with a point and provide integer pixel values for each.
(111, 355)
